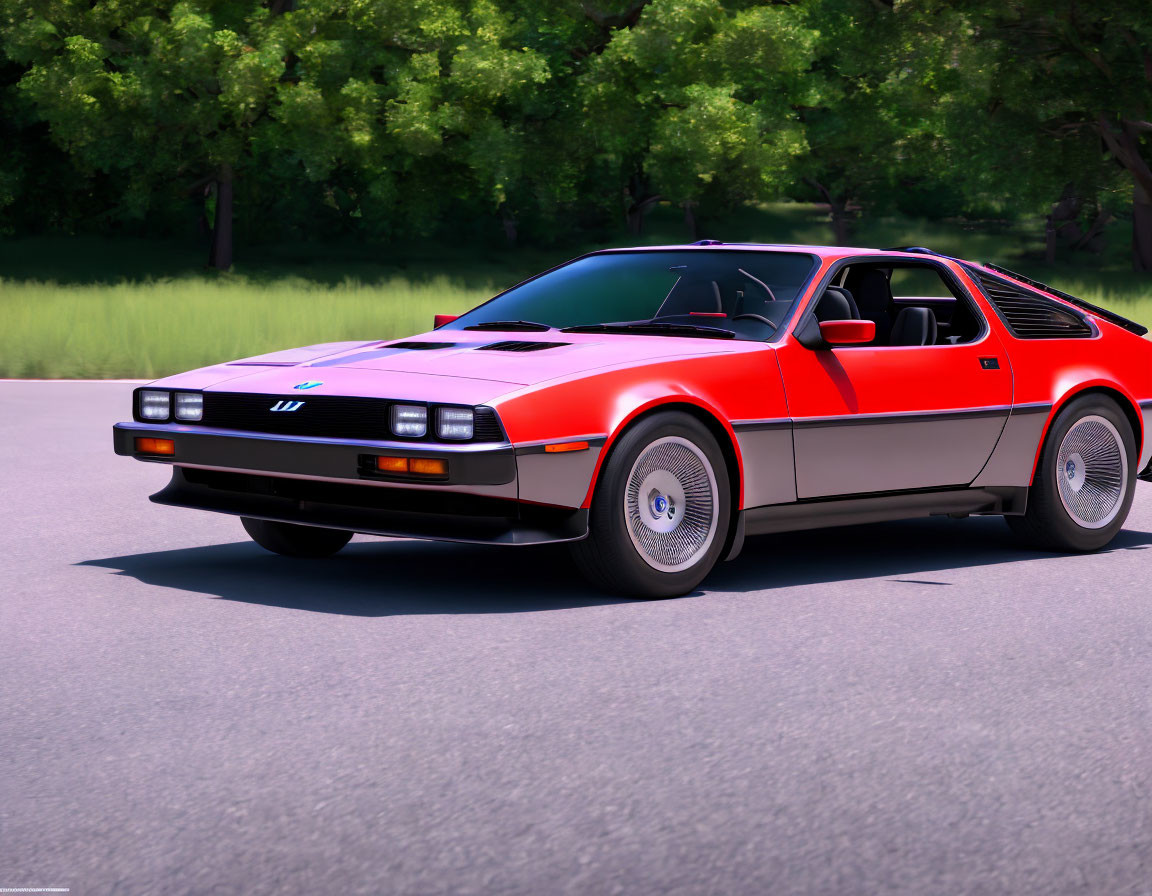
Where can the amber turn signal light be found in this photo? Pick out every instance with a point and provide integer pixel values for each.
(428, 466)
(155, 446)
(420, 466)
(566, 446)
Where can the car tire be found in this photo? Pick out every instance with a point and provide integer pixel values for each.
(1085, 479)
(291, 540)
(661, 510)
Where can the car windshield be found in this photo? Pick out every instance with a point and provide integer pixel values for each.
(695, 292)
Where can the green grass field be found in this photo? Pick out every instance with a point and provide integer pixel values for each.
(87, 308)
(154, 329)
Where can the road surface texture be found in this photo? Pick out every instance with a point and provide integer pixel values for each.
(917, 708)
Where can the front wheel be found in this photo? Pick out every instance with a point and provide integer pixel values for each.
(292, 540)
(1084, 482)
(661, 510)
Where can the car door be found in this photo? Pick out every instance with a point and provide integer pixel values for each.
(879, 418)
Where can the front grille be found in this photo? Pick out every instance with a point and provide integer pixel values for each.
(326, 416)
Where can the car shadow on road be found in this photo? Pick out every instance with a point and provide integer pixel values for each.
(920, 551)
(397, 577)
(373, 578)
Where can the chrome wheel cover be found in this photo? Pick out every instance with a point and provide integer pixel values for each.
(671, 504)
(1092, 472)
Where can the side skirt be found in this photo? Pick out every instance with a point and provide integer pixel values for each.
(851, 511)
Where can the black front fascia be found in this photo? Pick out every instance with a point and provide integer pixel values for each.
(373, 510)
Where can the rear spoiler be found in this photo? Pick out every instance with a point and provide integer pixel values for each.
(1110, 316)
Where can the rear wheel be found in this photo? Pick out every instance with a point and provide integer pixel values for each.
(292, 540)
(661, 510)
(1084, 481)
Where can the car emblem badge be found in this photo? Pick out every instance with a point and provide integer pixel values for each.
(287, 406)
(311, 384)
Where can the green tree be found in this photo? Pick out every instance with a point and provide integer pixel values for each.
(884, 79)
(695, 103)
(1078, 78)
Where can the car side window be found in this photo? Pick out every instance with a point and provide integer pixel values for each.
(911, 303)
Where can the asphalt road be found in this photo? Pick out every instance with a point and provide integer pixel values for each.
(915, 708)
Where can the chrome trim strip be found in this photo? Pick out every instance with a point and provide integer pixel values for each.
(406, 447)
(907, 416)
(768, 423)
(1032, 407)
(523, 448)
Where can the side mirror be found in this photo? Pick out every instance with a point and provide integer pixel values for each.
(848, 332)
(440, 319)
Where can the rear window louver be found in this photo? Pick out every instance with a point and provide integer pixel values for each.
(520, 346)
(1032, 316)
(420, 346)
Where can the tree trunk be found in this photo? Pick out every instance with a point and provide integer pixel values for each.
(842, 217)
(508, 221)
(841, 221)
(1125, 148)
(220, 255)
(640, 202)
(1049, 241)
(1142, 231)
(690, 220)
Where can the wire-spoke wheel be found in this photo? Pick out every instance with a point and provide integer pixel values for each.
(671, 504)
(661, 510)
(1092, 470)
(1083, 486)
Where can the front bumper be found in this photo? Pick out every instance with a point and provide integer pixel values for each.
(332, 483)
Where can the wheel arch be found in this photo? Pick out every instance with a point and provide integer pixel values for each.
(720, 430)
(1109, 390)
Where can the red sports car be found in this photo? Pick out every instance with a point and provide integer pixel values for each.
(654, 406)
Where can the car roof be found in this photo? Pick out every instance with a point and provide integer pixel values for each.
(824, 252)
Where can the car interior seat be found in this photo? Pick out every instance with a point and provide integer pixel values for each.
(837, 303)
(914, 326)
(873, 294)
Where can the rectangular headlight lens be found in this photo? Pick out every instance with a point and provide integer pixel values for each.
(409, 420)
(454, 423)
(154, 405)
(189, 406)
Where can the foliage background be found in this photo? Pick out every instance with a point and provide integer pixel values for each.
(511, 122)
(367, 163)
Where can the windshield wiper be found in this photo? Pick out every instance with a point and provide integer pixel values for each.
(508, 325)
(654, 329)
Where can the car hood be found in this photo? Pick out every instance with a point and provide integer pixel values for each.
(450, 366)
(523, 359)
